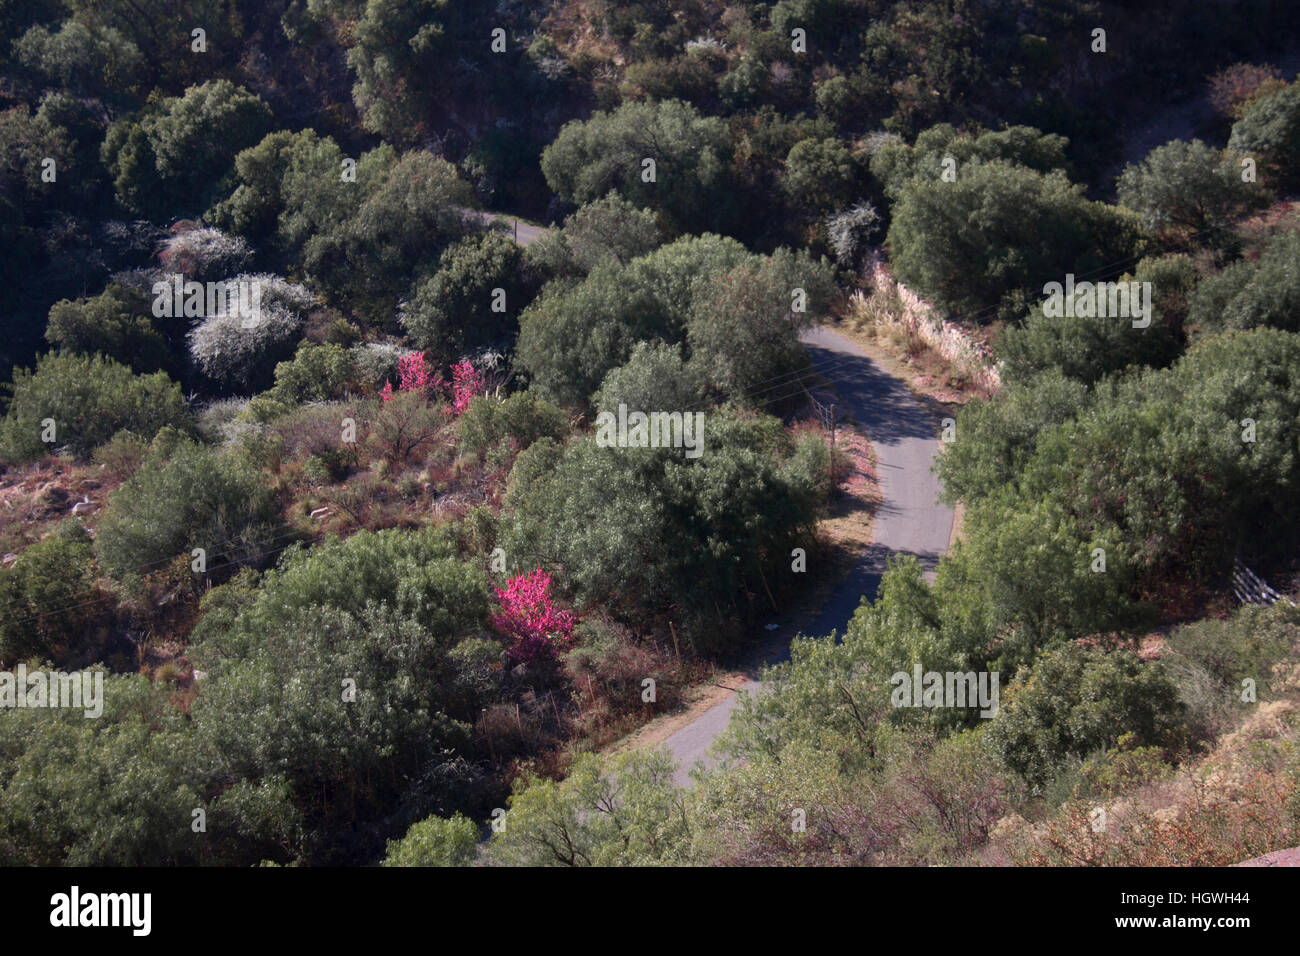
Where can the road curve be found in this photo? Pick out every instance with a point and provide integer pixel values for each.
(910, 519)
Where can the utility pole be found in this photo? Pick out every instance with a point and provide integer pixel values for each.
(830, 465)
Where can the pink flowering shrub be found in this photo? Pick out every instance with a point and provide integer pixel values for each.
(539, 629)
(414, 375)
(467, 381)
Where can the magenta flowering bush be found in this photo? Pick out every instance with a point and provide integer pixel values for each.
(467, 381)
(415, 375)
(528, 616)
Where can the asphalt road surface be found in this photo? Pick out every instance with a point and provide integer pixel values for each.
(910, 519)
(521, 232)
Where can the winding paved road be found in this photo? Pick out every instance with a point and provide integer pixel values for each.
(910, 519)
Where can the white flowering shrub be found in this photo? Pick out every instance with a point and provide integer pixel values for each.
(219, 420)
(376, 362)
(849, 230)
(873, 143)
(239, 346)
(707, 49)
(204, 254)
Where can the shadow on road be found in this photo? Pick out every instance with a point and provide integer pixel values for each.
(881, 403)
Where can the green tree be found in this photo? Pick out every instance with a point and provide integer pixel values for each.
(606, 229)
(89, 61)
(629, 815)
(572, 335)
(1088, 347)
(291, 187)
(121, 790)
(435, 842)
(990, 240)
(744, 328)
(317, 373)
(996, 438)
(26, 140)
(414, 62)
(692, 186)
(896, 164)
(644, 531)
(522, 417)
(655, 377)
(339, 674)
(820, 175)
(1027, 576)
(162, 34)
(458, 309)
(173, 157)
(397, 233)
(1189, 192)
(1249, 295)
(1076, 701)
(1269, 132)
(44, 608)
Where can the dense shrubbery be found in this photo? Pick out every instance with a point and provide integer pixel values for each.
(1248, 294)
(115, 324)
(521, 418)
(691, 184)
(655, 377)
(985, 243)
(1087, 347)
(608, 229)
(122, 790)
(394, 236)
(1190, 465)
(318, 373)
(471, 302)
(1269, 131)
(89, 399)
(1074, 702)
(338, 675)
(44, 608)
(1189, 192)
(172, 156)
(732, 311)
(187, 496)
(435, 842)
(645, 532)
(385, 684)
(897, 165)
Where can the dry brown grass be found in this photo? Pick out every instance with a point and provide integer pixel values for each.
(1240, 801)
(875, 322)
